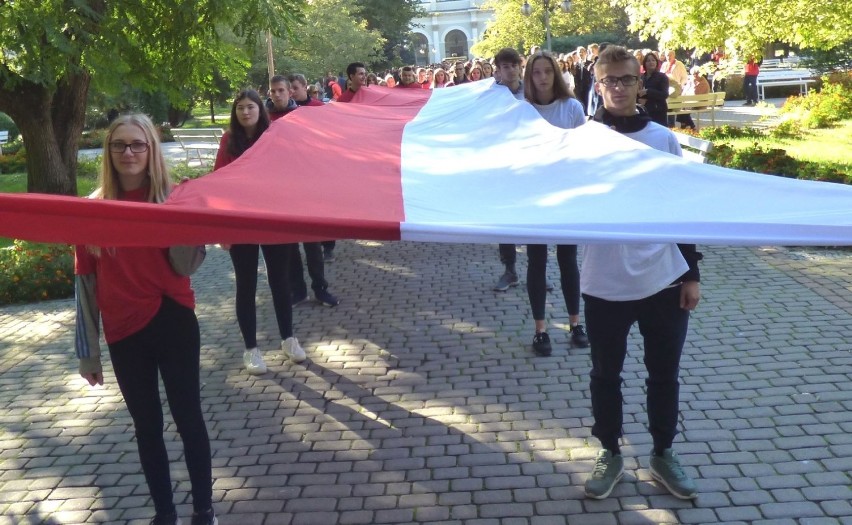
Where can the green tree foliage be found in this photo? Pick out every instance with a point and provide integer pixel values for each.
(331, 37)
(392, 19)
(53, 51)
(743, 25)
(510, 28)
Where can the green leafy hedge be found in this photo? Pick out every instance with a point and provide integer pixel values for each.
(13, 162)
(822, 109)
(36, 272)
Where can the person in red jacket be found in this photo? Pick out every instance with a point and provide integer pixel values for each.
(248, 122)
(143, 297)
(752, 69)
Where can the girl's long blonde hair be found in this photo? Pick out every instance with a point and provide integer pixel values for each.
(158, 173)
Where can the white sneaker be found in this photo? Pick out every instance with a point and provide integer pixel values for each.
(294, 351)
(254, 362)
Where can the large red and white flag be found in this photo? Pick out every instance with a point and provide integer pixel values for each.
(467, 164)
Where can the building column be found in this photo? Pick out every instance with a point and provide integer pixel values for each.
(436, 42)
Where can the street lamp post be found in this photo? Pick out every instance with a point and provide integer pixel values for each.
(526, 9)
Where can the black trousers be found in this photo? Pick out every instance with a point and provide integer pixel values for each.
(663, 325)
(569, 272)
(245, 258)
(169, 345)
(316, 268)
(508, 255)
(750, 88)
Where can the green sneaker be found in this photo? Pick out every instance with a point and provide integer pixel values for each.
(667, 470)
(607, 472)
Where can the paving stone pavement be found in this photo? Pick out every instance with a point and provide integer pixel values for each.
(421, 402)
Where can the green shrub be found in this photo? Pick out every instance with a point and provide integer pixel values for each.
(14, 162)
(728, 132)
(7, 124)
(821, 109)
(89, 167)
(787, 129)
(10, 148)
(93, 139)
(756, 159)
(36, 272)
(182, 171)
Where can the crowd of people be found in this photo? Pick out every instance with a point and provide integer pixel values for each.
(144, 299)
(663, 76)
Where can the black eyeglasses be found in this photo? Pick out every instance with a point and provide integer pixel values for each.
(626, 81)
(135, 147)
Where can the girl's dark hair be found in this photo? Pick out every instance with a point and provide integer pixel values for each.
(239, 141)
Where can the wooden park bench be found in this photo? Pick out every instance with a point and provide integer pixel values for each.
(698, 104)
(200, 144)
(694, 148)
(781, 76)
(4, 138)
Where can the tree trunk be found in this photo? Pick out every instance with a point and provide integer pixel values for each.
(50, 124)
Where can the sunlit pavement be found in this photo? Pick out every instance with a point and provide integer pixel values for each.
(421, 402)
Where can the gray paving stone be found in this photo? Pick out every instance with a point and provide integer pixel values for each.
(432, 397)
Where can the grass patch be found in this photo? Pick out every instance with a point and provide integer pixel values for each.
(201, 117)
(828, 146)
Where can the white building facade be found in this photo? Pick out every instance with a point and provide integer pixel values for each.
(449, 29)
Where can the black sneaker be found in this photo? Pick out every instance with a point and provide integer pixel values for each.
(326, 298)
(204, 518)
(541, 344)
(328, 254)
(506, 280)
(166, 519)
(579, 338)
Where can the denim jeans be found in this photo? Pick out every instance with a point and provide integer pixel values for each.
(663, 325)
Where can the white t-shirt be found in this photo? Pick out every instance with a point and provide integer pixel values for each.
(628, 272)
(569, 79)
(566, 113)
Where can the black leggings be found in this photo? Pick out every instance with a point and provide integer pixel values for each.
(170, 344)
(277, 259)
(566, 256)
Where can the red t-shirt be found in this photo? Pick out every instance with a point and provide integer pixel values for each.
(131, 282)
(223, 156)
(752, 68)
(346, 96)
